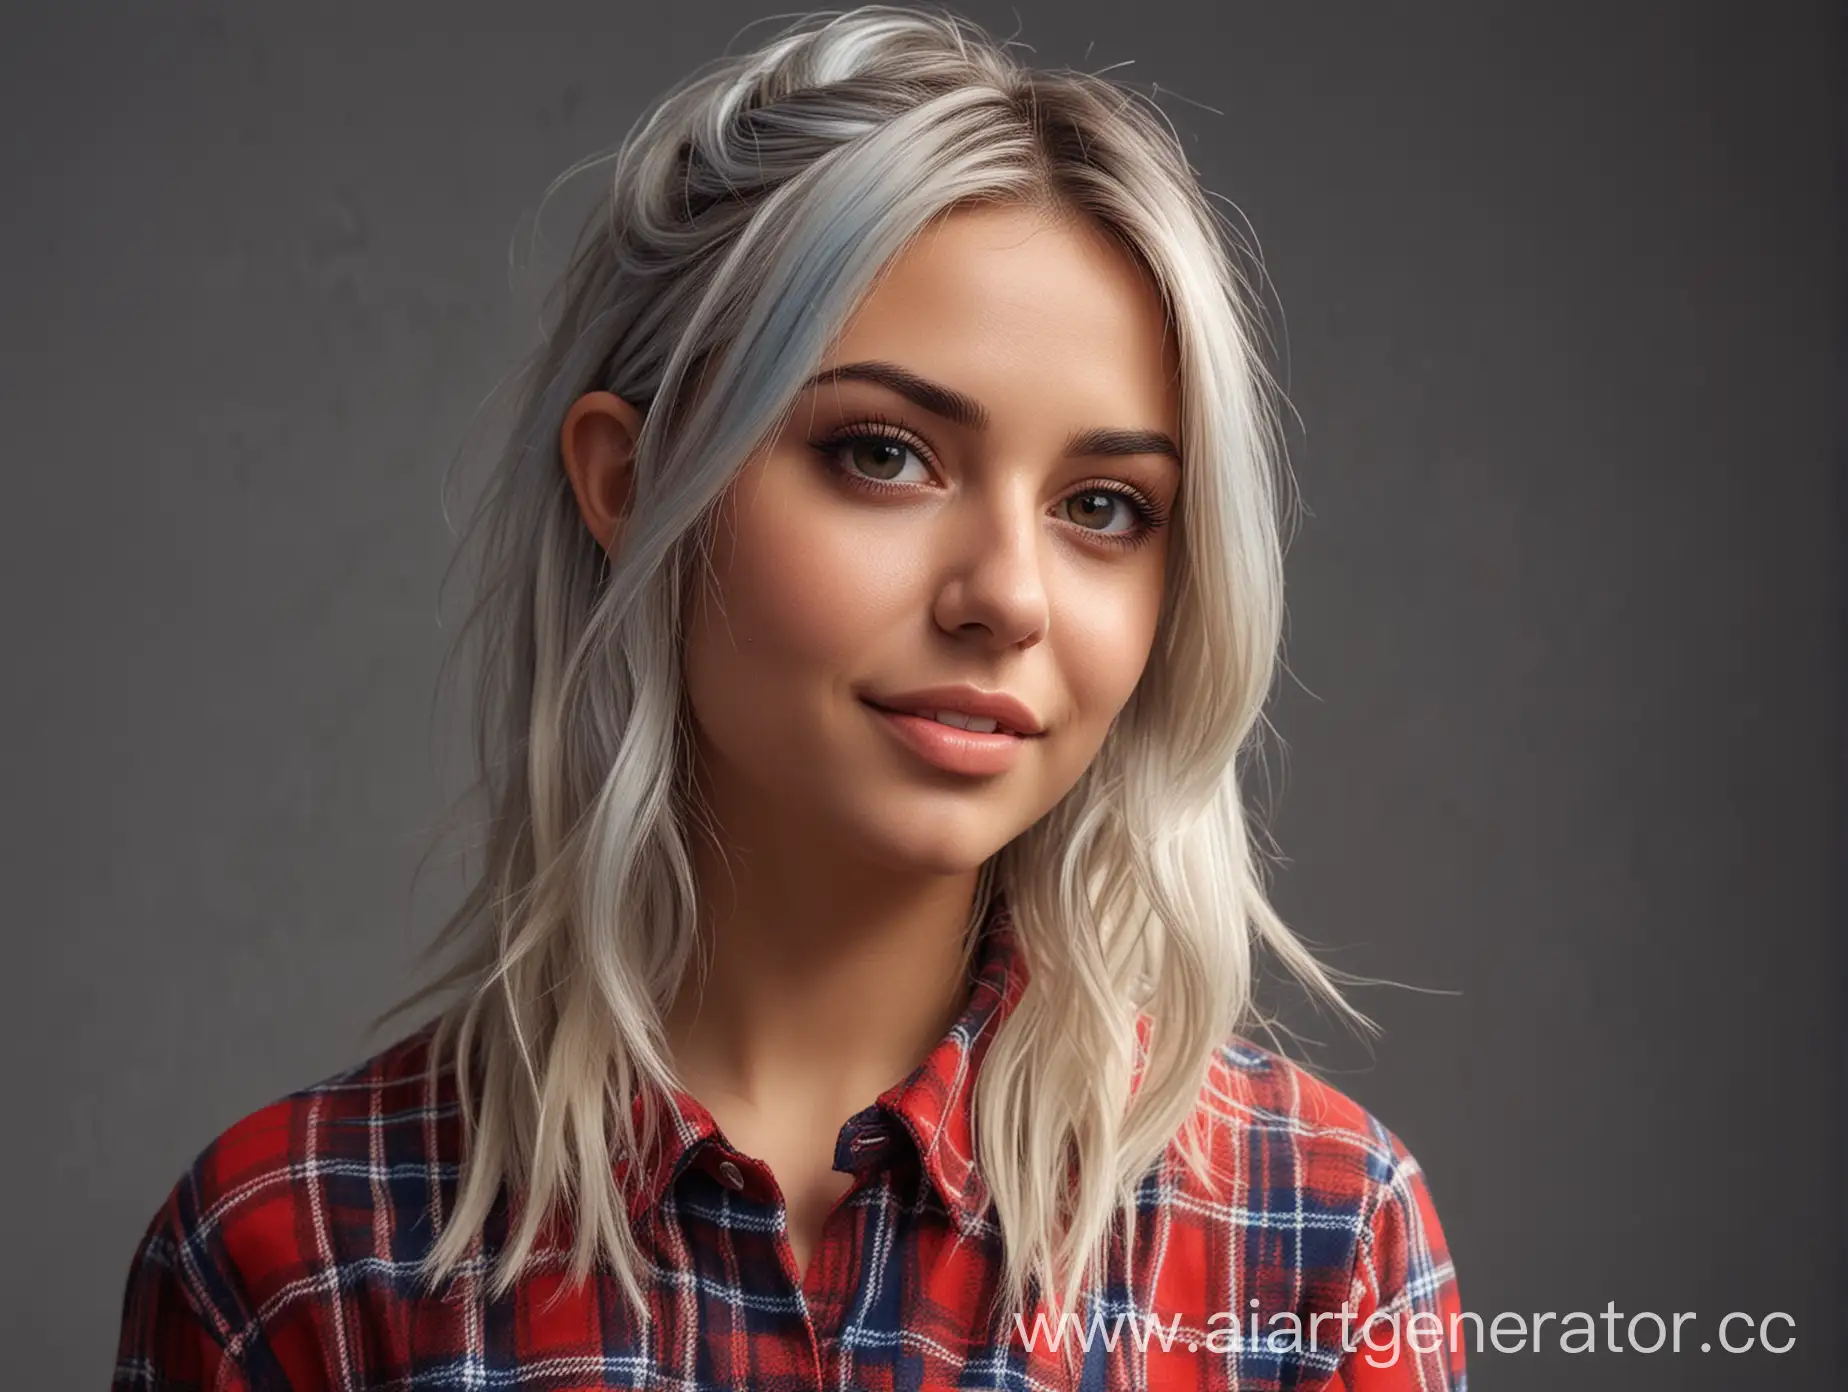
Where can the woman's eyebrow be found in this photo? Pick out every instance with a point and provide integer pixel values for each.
(1105, 443)
(934, 397)
(966, 411)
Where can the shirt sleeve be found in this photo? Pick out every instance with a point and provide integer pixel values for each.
(1407, 1334)
(170, 1340)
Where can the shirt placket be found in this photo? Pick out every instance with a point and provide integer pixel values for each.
(804, 1346)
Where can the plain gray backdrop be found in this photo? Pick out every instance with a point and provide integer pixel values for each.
(1557, 298)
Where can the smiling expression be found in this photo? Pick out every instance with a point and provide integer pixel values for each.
(933, 591)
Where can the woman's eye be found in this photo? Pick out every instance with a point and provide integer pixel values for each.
(1096, 509)
(879, 457)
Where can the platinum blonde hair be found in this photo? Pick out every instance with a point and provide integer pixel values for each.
(746, 216)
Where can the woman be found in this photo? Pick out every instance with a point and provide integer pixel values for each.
(882, 581)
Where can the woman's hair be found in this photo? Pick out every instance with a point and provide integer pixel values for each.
(746, 216)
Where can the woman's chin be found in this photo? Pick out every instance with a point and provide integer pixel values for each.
(913, 837)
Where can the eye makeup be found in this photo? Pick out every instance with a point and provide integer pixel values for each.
(833, 448)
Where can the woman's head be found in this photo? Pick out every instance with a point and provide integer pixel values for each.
(806, 208)
(889, 365)
(968, 499)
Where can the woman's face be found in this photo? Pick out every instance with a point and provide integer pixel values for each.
(971, 501)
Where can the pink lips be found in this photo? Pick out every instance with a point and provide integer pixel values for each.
(910, 717)
(958, 751)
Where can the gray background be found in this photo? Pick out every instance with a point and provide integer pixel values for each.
(1560, 301)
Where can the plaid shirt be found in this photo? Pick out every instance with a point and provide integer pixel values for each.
(286, 1256)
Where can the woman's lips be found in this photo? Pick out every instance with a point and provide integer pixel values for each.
(951, 749)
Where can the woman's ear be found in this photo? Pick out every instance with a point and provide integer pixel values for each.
(597, 445)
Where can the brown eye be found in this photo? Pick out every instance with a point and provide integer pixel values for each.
(878, 458)
(1097, 508)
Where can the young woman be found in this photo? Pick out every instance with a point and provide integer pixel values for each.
(881, 585)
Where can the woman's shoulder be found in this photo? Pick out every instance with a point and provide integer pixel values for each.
(363, 1123)
(275, 1203)
(1275, 1132)
(1342, 1205)
(1254, 1095)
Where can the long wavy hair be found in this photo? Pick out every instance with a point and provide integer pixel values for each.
(746, 215)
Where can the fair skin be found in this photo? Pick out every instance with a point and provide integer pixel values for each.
(877, 546)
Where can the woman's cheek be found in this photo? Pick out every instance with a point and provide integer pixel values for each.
(818, 582)
(1106, 639)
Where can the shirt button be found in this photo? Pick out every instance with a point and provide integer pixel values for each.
(731, 1174)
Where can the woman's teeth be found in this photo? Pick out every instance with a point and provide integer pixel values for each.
(974, 724)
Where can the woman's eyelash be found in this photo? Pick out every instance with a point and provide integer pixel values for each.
(872, 430)
(1150, 515)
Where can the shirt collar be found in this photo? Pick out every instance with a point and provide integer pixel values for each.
(934, 1103)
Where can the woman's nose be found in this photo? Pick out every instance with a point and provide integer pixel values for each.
(993, 573)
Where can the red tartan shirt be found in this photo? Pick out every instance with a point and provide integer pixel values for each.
(287, 1255)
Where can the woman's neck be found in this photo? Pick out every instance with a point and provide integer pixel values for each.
(815, 972)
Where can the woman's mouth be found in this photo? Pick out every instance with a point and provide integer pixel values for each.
(972, 745)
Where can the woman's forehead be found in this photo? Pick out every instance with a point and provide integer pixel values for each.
(1012, 303)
